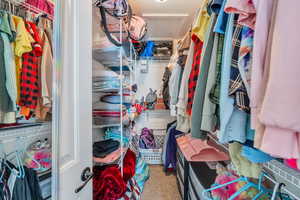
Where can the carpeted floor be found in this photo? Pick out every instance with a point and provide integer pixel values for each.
(160, 186)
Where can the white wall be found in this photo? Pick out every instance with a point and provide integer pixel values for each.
(152, 79)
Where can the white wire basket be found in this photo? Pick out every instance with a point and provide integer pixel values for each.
(151, 156)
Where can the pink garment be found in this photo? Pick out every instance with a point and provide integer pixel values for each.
(44, 5)
(280, 110)
(245, 9)
(112, 157)
(292, 163)
(265, 12)
(198, 150)
(281, 143)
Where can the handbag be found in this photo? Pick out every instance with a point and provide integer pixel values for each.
(115, 8)
(115, 19)
(151, 99)
(147, 139)
(137, 28)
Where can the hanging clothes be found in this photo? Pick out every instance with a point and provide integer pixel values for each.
(22, 45)
(183, 120)
(198, 36)
(45, 76)
(29, 75)
(6, 95)
(237, 89)
(245, 10)
(260, 68)
(279, 112)
(165, 90)
(233, 121)
(199, 130)
(11, 83)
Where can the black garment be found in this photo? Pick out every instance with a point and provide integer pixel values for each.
(165, 91)
(21, 190)
(33, 182)
(103, 148)
(26, 188)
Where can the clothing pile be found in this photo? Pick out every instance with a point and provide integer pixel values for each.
(235, 82)
(25, 69)
(108, 182)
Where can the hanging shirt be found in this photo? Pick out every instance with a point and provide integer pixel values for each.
(29, 89)
(200, 90)
(200, 26)
(245, 9)
(22, 45)
(45, 79)
(233, 121)
(8, 37)
(237, 89)
(221, 23)
(183, 122)
(194, 73)
(6, 103)
(260, 67)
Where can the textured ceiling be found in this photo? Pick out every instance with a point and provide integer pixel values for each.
(168, 20)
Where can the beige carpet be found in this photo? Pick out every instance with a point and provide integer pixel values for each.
(160, 186)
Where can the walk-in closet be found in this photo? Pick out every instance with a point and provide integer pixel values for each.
(26, 99)
(149, 100)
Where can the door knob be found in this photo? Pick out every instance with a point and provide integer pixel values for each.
(86, 176)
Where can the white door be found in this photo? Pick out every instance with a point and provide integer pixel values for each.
(73, 102)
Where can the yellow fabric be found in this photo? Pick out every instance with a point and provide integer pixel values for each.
(201, 24)
(21, 45)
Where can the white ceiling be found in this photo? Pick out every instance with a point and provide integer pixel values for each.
(168, 20)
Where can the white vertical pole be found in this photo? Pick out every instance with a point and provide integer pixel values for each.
(121, 92)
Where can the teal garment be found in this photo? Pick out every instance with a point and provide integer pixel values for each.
(10, 69)
(209, 118)
(142, 173)
(232, 121)
(6, 104)
(198, 102)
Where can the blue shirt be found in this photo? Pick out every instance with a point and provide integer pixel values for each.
(233, 122)
(220, 26)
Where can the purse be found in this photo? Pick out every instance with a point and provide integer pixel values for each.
(137, 28)
(115, 8)
(147, 139)
(112, 11)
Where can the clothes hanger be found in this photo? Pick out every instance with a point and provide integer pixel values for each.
(4, 163)
(248, 185)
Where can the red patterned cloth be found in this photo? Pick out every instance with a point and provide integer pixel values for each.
(29, 85)
(129, 165)
(194, 73)
(108, 183)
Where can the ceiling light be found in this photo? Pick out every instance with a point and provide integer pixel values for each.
(161, 1)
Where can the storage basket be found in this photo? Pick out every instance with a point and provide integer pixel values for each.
(151, 156)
